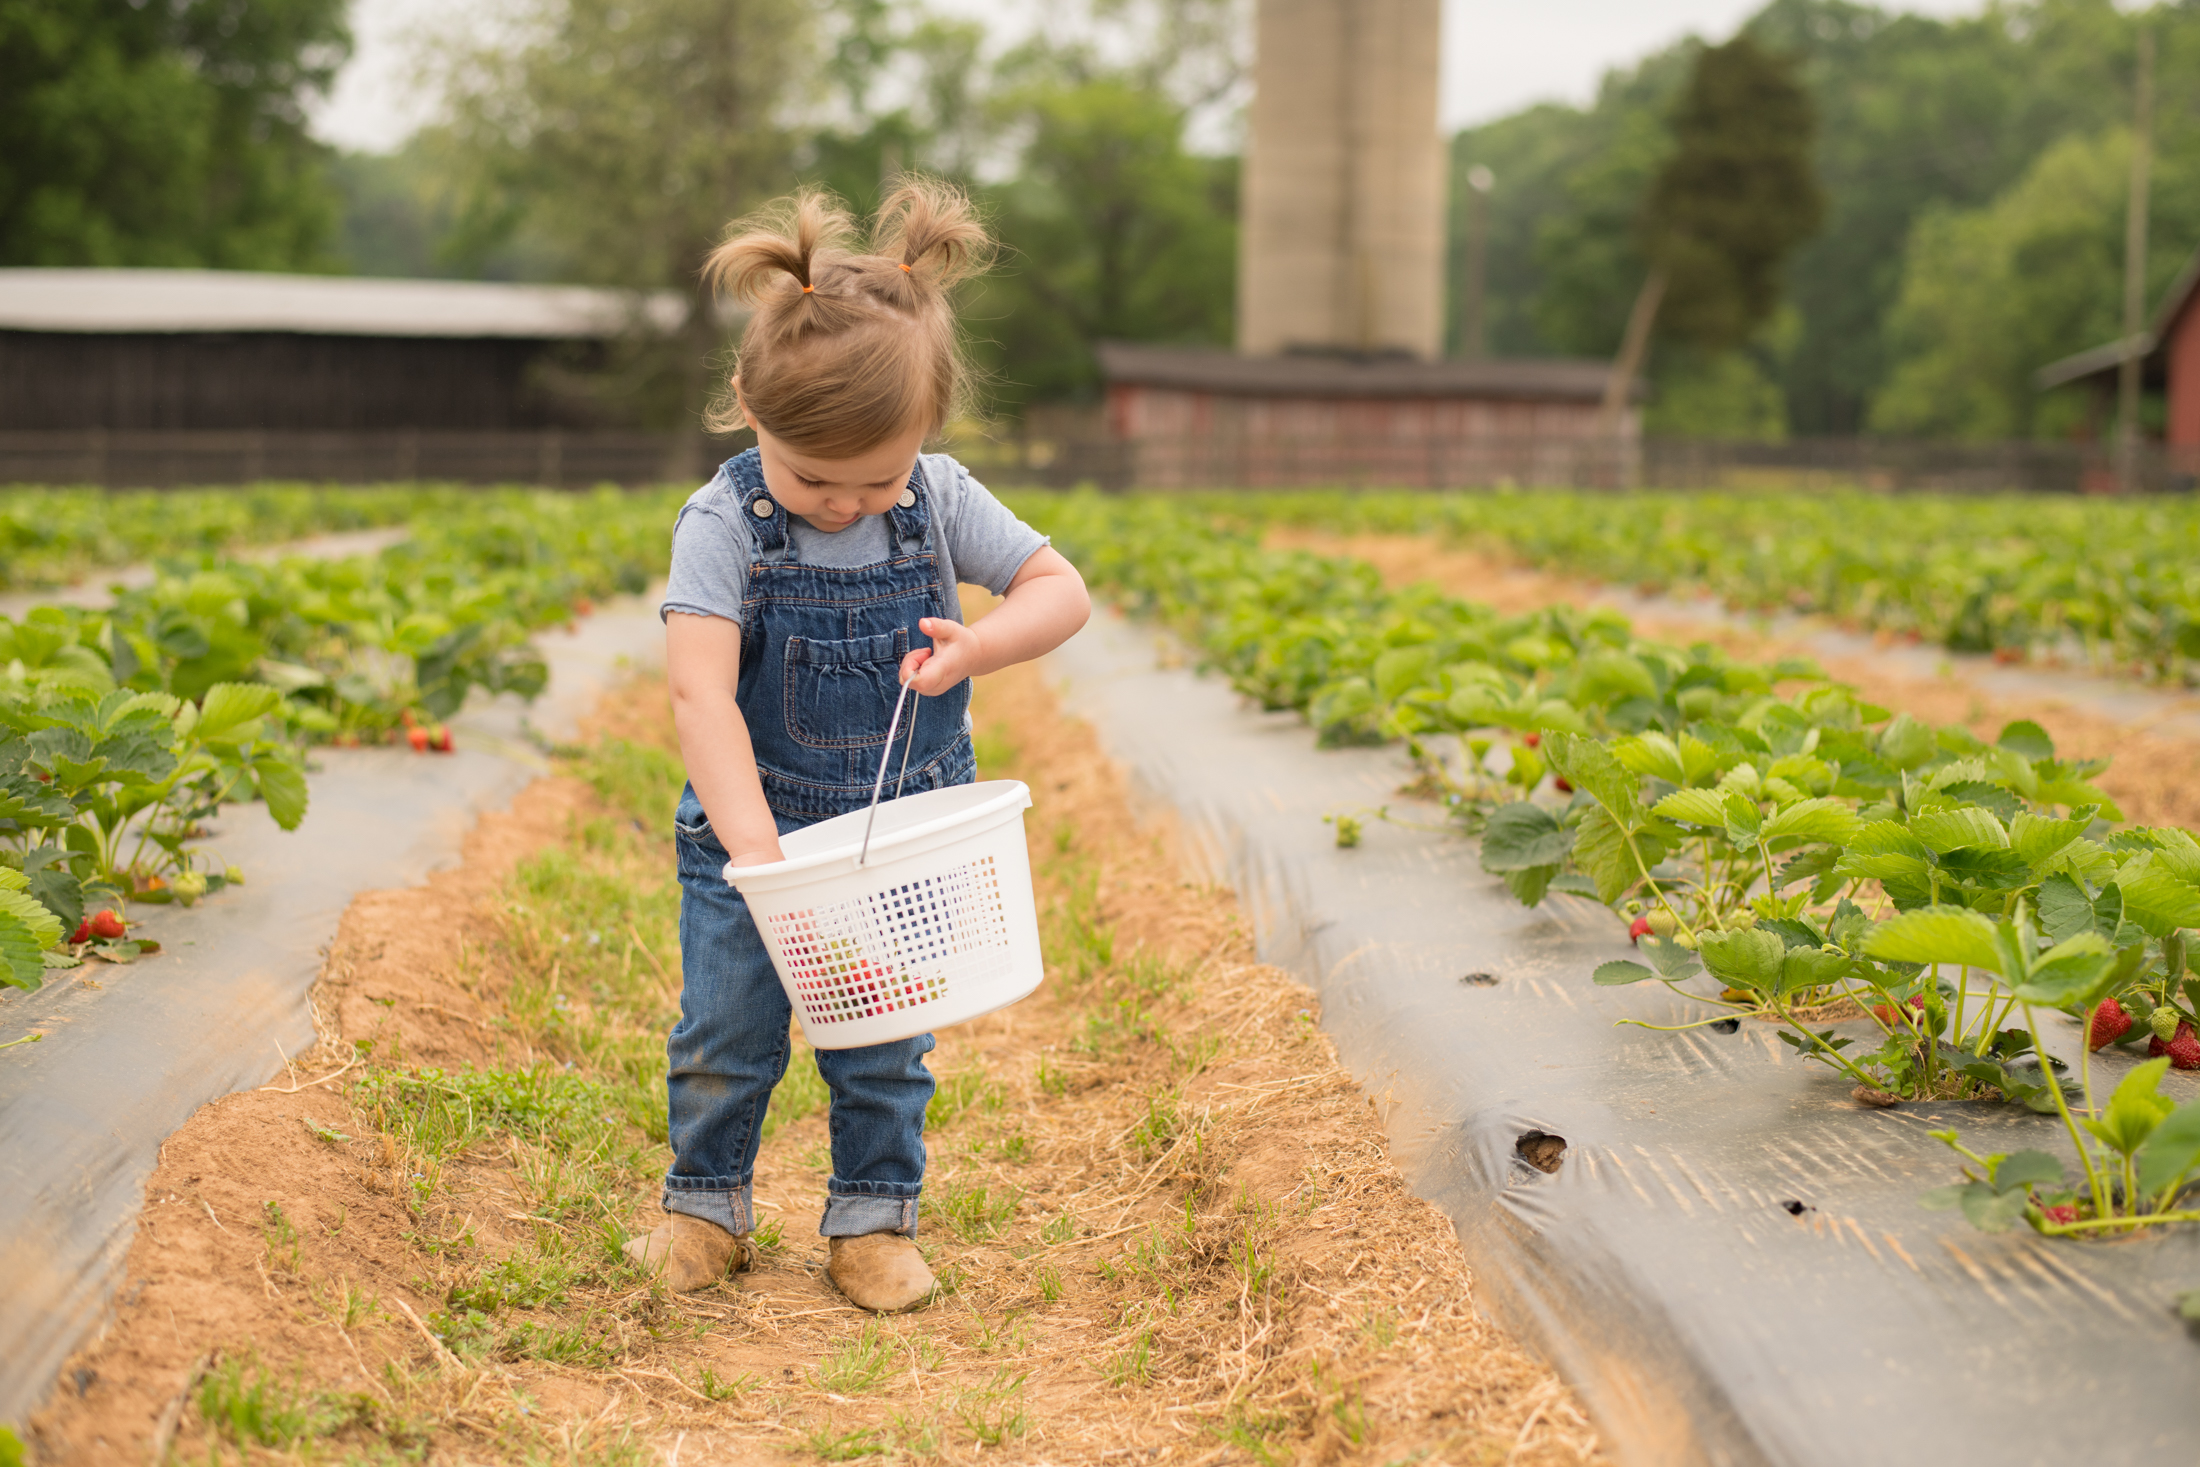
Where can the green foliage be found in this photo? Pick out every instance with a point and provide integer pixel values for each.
(1784, 844)
(52, 537)
(166, 133)
(1991, 294)
(2101, 584)
(1114, 232)
(1735, 198)
(1917, 116)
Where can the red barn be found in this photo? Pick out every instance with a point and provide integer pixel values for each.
(1197, 418)
(2169, 364)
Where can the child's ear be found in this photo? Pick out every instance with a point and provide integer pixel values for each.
(743, 403)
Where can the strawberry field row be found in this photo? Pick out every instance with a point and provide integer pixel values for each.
(123, 729)
(2108, 584)
(52, 537)
(1817, 858)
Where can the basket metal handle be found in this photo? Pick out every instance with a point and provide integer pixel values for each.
(893, 727)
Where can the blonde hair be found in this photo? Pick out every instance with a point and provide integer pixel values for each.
(847, 348)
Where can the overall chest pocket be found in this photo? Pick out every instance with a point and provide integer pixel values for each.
(840, 695)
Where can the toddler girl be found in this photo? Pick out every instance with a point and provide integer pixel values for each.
(814, 575)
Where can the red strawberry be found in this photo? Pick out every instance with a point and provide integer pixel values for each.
(2064, 1213)
(2183, 1048)
(2109, 1023)
(1639, 929)
(83, 932)
(1562, 787)
(584, 607)
(407, 717)
(418, 738)
(107, 926)
(440, 739)
(1531, 740)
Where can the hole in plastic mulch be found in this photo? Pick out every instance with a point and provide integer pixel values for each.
(1796, 1208)
(1726, 1026)
(1539, 1149)
(1480, 980)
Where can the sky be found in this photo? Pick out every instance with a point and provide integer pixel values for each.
(1499, 55)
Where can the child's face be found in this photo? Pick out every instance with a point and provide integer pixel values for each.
(833, 493)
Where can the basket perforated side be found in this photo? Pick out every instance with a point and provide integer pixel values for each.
(912, 944)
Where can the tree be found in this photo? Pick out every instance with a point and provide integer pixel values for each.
(623, 136)
(165, 132)
(1729, 206)
(1992, 294)
(1111, 229)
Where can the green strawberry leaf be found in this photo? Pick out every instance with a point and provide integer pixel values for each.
(1941, 934)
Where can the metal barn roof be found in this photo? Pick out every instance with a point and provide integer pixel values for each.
(1203, 369)
(185, 301)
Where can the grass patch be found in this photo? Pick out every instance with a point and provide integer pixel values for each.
(975, 1214)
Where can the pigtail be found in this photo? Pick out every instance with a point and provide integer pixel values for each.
(928, 228)
(792, 238)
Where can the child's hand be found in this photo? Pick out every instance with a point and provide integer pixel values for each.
(953, 656)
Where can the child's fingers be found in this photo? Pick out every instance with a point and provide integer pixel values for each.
(912, 662)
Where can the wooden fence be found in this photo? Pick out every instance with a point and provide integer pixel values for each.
(576, 459)
(553, 457)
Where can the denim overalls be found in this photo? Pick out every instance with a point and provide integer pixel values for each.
(820, 651)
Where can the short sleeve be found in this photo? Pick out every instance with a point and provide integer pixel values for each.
(710, 565)
(985, 539)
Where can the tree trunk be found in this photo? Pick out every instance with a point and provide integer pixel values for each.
(1621, 382)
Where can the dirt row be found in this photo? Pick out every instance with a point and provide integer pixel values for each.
(1165, 1216)
(2153, 778)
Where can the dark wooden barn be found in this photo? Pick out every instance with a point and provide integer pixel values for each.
(149, 376)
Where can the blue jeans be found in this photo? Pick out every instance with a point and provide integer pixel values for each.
(730, 1048)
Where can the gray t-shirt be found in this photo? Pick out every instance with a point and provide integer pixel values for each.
(976, 537)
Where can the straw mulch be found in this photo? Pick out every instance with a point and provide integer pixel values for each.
(1165, 1216)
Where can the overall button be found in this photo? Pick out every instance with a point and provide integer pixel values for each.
(763, 508)
(908, 497)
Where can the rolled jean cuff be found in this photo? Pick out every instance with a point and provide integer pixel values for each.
(731, 1207)
(854, 1209)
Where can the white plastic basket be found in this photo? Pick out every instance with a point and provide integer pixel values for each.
(904, 918)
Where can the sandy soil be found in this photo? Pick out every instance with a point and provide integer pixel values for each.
(2154, 779)
(1181, 1237)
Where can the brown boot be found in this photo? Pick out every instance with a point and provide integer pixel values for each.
(881, 1272)
(691, 1253)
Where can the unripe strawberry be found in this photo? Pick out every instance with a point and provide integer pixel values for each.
(1662, 921)
(2163, 1021)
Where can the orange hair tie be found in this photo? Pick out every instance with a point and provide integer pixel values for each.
(905, 269)
(808, 288)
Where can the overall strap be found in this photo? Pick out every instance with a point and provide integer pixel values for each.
(910, 520)
(765, 517)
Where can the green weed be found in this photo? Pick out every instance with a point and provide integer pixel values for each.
(252, 1407)
(959, 1093)
(1133, 1364)
(860, 1364)
(975, 1214)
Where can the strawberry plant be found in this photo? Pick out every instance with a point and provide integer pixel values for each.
(2103, 584)
(1781, 850)
(50, 537)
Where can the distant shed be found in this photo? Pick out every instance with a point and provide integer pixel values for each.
(227, 350)
(1192, 417)
(2169, 362)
